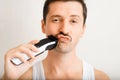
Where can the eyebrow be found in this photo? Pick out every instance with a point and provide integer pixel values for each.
(55, 16)
(76, 16)
(70, 16)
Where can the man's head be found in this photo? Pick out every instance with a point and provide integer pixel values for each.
(64, 19)
(48, 2)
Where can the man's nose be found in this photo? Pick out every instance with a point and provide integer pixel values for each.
(65, 27)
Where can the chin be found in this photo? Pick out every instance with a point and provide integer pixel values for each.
(63, 49)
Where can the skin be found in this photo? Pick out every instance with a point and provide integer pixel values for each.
(61, 62)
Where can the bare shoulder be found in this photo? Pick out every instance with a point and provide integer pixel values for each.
(27, 75)
(100, 75)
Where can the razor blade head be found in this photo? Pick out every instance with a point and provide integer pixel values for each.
(49, 39)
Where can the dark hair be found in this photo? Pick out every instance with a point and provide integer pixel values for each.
(48, 2)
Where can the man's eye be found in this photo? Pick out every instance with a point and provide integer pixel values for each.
(74, 21)
(55, 20)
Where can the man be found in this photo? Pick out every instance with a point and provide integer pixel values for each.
(64, 19)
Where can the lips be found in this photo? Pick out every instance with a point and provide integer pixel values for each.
(63, 38)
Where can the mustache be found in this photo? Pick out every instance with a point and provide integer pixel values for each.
(61, 33)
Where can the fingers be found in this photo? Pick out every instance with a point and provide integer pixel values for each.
(34, 42)
(22, 50)
(32, 47)
(20, 56)
(28, 49)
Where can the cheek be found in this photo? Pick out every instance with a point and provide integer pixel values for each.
(78, 33)
(51, 29)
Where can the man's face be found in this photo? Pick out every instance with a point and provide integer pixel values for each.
(65, 21)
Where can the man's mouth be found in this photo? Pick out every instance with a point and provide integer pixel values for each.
(63, 38)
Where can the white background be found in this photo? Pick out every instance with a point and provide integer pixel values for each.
(100, 46)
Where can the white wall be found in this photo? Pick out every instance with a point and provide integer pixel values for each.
(100, 46)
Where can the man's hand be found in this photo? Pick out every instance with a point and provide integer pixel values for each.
(14, 72)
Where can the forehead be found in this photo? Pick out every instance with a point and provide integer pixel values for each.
(65, 8)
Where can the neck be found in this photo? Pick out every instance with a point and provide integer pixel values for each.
(62, 61)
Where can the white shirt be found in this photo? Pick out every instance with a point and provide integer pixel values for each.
(38, 71)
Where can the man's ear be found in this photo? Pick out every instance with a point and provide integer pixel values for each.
(43, 26)
(83, 30)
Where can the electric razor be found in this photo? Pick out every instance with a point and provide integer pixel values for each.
(43, 45)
